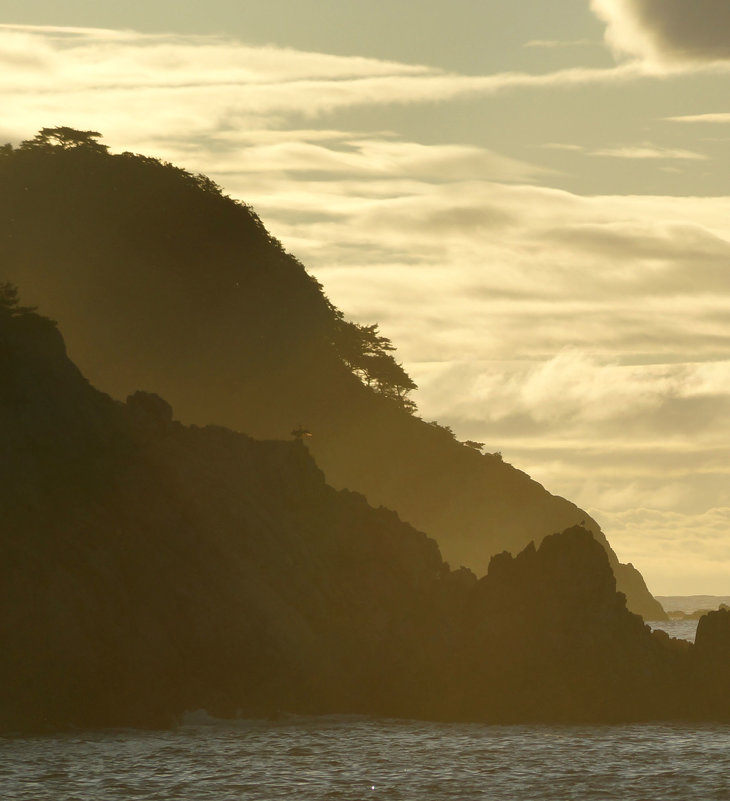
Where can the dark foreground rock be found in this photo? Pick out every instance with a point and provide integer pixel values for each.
(149, 568)
(711, 661)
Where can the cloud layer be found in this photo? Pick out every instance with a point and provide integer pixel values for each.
(129, 83)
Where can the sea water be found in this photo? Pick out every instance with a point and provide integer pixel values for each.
(681, 629)
(373, 758)
(366, 758)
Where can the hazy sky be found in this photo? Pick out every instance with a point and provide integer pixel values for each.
(531, 198)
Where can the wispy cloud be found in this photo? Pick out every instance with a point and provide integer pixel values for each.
(132, 83)
(649, 152)
(716, 117)
(562, 146)
(340, 154)
(557, 43)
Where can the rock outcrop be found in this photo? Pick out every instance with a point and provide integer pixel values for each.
(711, 660)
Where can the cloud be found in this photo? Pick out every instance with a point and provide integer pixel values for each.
(562, 146)
(130, 58)
(343, 154)
(479, 271)
(660, 254)
(649, 151)
(646, 150)
(577, 393)
(18, 51)
(130, 83)
(555, 43)
(720, 117)
(668, 32)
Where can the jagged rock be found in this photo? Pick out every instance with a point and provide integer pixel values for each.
(713, 634)
(550, 638)
(710, 663)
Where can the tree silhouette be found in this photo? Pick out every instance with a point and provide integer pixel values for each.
(368, 355)
(357, 342)
(10, 301)
(66, 139)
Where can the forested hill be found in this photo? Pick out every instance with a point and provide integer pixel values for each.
(160, 281)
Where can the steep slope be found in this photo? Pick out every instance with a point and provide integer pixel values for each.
(159, 281)
(148, 568)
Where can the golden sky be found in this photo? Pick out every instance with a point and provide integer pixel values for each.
(531, 198)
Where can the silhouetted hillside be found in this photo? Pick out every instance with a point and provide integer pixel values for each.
(162, 282)
(149, 568)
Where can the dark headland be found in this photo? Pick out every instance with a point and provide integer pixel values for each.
(161, 282)
(150, 567)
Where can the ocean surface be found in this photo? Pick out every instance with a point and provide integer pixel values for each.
(681, 629)
(354, 758)
(365, 758)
